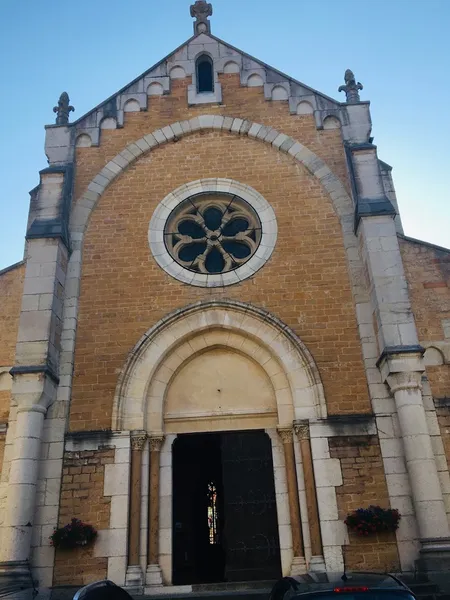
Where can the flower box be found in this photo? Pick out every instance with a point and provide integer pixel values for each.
(373, 520)
(74, 534)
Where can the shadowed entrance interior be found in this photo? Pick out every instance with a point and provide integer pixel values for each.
(225, 525)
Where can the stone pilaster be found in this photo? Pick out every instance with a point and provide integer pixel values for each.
(134, 577)
(33, 392)
(390, 303)
(317, 562)
(36, 370)
(298, 562)
(153, 575)
(402, 370)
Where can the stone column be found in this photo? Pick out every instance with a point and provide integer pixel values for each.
(317, 562)
(298, 561)
(33, 391)
(153, 575)
(402, 370)
(134, 576)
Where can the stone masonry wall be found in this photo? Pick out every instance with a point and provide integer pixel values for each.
(364, 484)
(305, 283)
(82, 497)
(428, 273)
(11, 284)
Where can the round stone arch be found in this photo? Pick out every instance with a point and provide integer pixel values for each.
(85, 205)
(253, 332)
(171, 133)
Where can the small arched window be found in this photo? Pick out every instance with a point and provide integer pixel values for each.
(205, 75)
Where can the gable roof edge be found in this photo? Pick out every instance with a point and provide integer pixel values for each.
(135, 80)
(188, 41)
(422, 243)
(276, 70)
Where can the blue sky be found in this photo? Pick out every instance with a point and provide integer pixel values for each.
(398, 49)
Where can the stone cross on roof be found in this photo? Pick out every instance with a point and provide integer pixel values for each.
(201, 10)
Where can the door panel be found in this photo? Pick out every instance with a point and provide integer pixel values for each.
(251, 540)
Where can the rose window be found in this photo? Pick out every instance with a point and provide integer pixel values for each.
(212, 233)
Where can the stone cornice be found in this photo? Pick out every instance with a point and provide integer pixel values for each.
(34, 369)
(389, 351)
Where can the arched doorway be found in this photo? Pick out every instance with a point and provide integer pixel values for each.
(218, 379)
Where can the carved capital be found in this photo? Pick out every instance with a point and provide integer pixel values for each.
(156, 442)
(286, 434)
(302, 430)
(138, 440)
(411, 380)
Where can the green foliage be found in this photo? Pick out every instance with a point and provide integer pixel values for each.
(368, 521)
(74, 534)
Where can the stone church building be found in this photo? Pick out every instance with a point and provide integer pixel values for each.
(220, 342)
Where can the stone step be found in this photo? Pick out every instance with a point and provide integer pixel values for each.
(217, 591)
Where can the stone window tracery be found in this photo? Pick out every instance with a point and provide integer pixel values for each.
(212, 233)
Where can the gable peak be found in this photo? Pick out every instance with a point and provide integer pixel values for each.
(201, 10)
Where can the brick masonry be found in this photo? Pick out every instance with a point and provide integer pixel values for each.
(363, 484)
(82, 497)
(11, 285)
(428, 272)
(305, 283)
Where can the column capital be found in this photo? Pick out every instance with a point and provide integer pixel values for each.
(155, 442)
(404, 381)
(302, 430)
(286, 434)
(402, 367)
(138, 440)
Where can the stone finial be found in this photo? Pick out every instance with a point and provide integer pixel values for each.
(201, 10)
(63, 109)
(351, 88)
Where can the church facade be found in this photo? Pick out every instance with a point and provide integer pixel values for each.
(220, 343)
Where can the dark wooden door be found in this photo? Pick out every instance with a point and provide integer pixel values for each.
(250, 529)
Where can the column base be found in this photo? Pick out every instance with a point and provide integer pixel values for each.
(317, 564)
(153, 576)
(134, 579)
(298, 566)
(434, 555)
(16, 577)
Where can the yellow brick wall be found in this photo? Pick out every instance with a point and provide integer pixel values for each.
(363, 484)
(82, 498)
(11, 285)
(428, 273)
(305, 283)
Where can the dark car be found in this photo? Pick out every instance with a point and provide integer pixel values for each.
(335, 586)
(102, 590)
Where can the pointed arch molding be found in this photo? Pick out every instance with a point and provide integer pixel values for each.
(180, 336)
